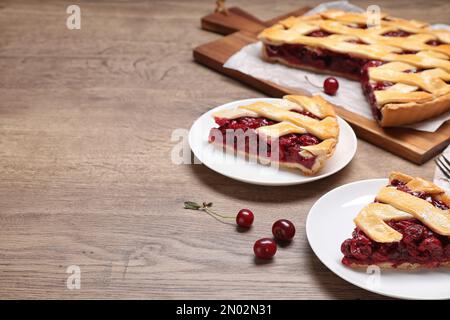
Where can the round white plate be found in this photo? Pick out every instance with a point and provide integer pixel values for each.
(330, 222)
(249, 170)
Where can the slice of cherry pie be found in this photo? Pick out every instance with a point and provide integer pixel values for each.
(296, 132)
(408, 226)
(403, 65)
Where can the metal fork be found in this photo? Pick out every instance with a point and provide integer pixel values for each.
(443, 164)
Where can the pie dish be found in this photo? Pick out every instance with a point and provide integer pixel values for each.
(407, 227)
(297, 132)
(403, 65)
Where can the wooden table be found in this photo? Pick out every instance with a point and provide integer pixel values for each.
(86, 177)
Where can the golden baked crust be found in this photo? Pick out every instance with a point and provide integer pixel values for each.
(434, 218)
(371, 220)
(399, 176)
(325, 127)
(416, 184)
(413, 97)
(295, 30)
(408, 113)
(418, 71)
(393, 204)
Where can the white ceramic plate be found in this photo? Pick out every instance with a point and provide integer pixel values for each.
(252, 172)
(330, 222)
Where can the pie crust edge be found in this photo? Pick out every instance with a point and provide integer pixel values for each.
(415, 184)
(412, 112)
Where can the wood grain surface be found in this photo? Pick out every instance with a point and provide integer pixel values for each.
(86, 176)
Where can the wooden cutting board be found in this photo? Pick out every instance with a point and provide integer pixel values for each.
(241, 28)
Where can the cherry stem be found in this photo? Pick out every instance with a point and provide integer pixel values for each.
(311, 83)
(217, 214)
(206, 208)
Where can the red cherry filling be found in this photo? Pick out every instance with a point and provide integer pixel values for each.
(244, 123)
(418, 245)
(318, 34)
(434, 43)
(318, 58)
(408, 52)
(290, 145)
(397, 33)
(343, 64)
(425, 196)
(356, 41)
(370, 64)
(307, 113)
(369, 87)
(357, 26)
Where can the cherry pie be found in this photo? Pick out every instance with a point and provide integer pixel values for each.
(297, 132)
(403, 65)
(408, 226)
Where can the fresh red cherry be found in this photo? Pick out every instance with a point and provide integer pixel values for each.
(245, 218)
(330, 86)
(283, 230)
(265, 248)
